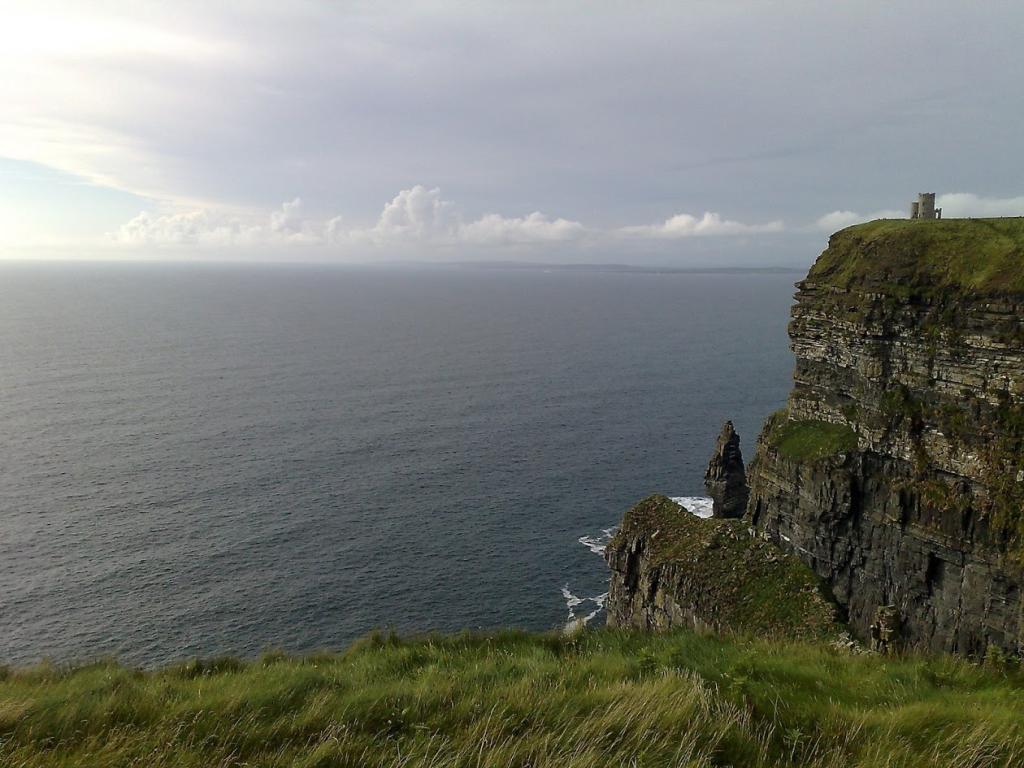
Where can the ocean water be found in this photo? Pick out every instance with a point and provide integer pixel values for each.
(206, 459)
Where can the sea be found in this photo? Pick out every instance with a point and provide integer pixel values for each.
(206, 459)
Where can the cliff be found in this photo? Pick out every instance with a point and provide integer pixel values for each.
(896, 470)
(672, 569)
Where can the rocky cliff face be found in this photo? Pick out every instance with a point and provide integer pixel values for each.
(895, 471)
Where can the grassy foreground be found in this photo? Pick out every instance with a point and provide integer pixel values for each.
(596, 699)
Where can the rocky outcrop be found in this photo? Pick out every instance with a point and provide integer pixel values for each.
(896, 471)
(671, 569)
(726, 478)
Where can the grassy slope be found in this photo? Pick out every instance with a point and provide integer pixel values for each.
(981, 256)
(597, 699)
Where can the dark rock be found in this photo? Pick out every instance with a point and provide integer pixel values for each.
(726, 478)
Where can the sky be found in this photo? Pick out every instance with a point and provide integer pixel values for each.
(687, 133)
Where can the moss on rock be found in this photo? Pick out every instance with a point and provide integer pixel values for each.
(722, 576)
(810, 440)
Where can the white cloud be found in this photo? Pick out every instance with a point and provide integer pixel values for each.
(418, 215)
(836, 220)
(415, 217)
(421, 216)
(966, 204)
(204, 227)
(708, 225)
(335, 231)
(536, 227)
(287, 220)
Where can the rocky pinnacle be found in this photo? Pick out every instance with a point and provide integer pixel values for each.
(726, 479)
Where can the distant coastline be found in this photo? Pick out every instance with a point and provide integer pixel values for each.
(621, 268)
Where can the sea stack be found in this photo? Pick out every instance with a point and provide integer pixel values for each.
(726, 479)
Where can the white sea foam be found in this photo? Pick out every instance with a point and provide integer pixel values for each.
(572, 602)
(574, 621)
(697, 505)
(597, 544)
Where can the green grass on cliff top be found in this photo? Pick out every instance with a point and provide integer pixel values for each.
(982, 256)
(588, 701)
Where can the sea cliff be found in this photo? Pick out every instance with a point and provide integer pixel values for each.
(896, 471)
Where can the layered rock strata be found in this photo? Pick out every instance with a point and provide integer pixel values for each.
(895, 471)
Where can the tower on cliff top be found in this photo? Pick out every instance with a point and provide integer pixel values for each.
(924, 207)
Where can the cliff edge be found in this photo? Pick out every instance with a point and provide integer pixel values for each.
(896, 470)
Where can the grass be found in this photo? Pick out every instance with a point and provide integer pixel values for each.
(811, 440)
(510, 699)
(905, 257)
(733, 580)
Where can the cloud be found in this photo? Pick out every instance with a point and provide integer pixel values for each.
(418, 216)
(184, 228)
(966, 204)
(836, 220)
(421, 216)
(287, 220)
(709, 225)
(204, 227)
(534, 228)
(335, 231)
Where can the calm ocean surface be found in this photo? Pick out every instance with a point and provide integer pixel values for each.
(224, 459)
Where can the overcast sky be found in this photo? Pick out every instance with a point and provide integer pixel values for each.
(684, 133)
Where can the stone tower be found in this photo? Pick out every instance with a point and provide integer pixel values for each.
(924, 207)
